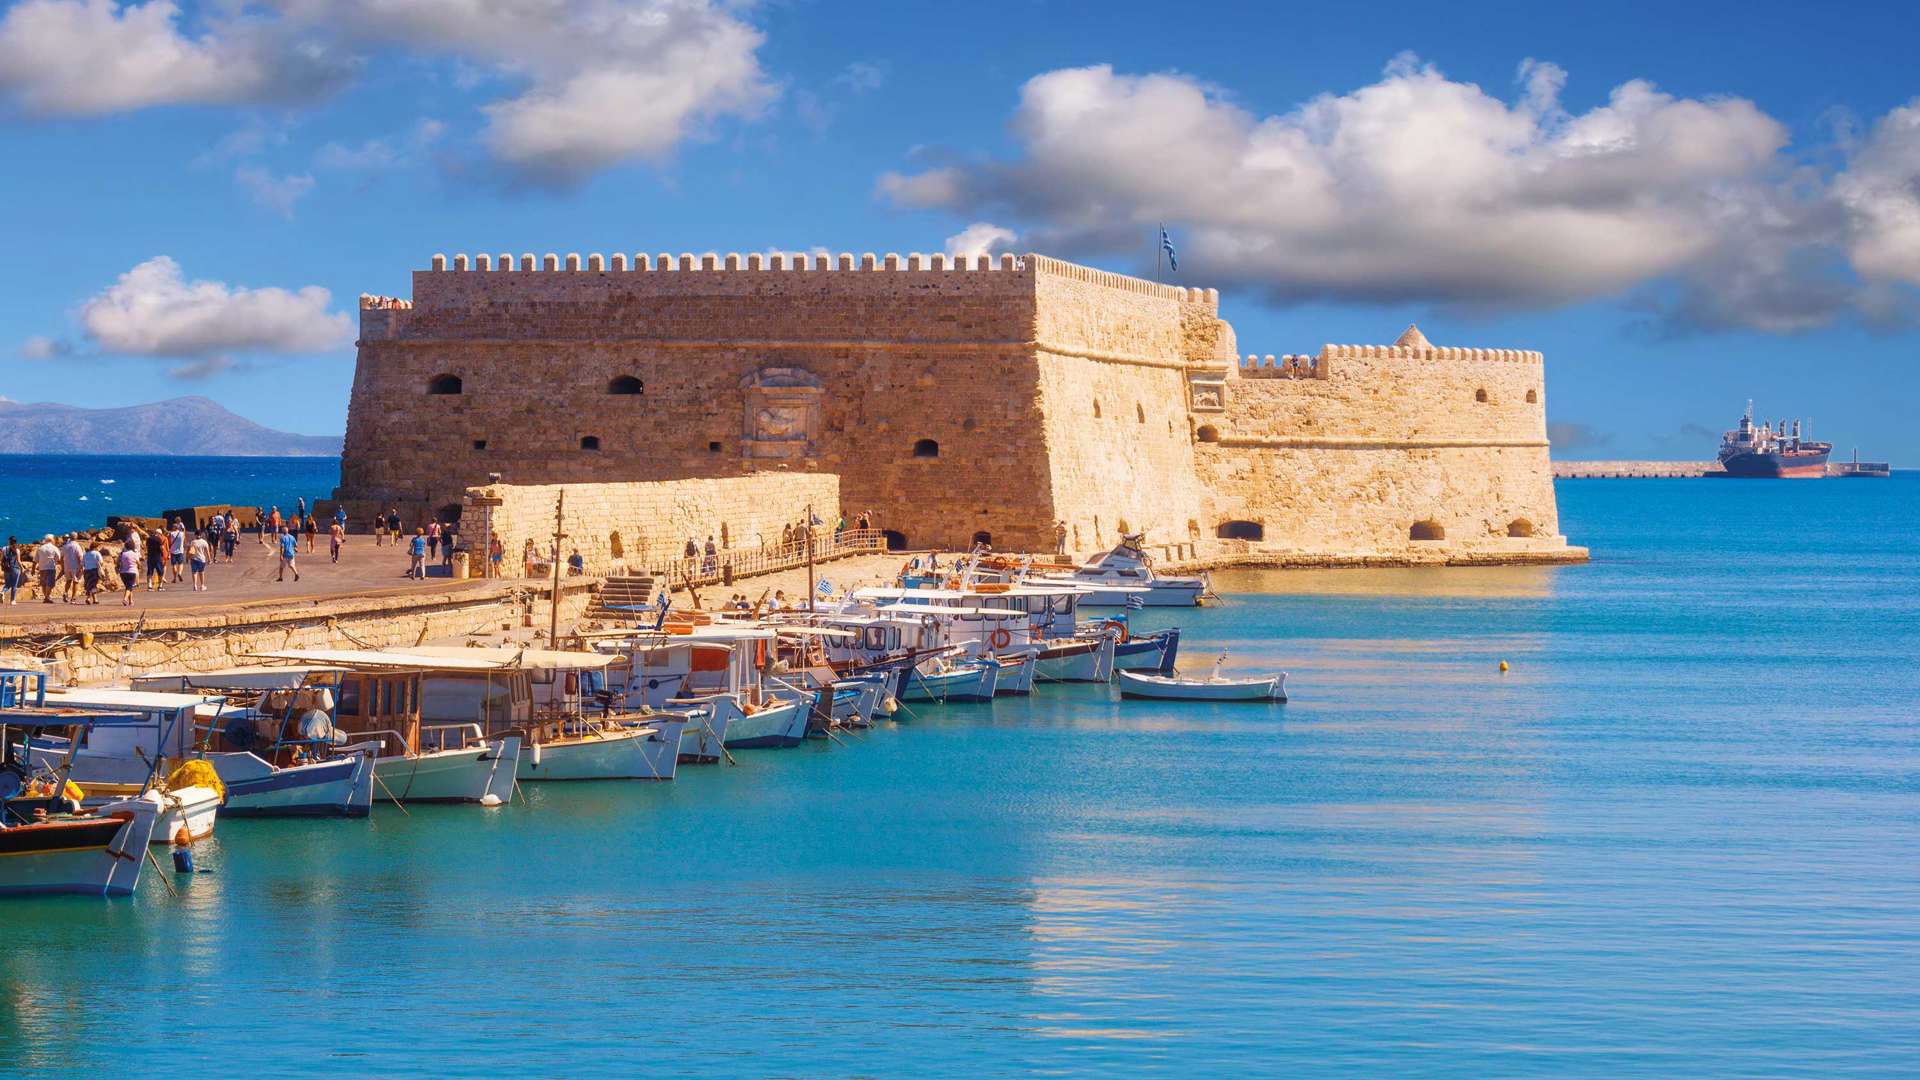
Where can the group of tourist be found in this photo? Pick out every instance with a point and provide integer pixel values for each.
(79, 566)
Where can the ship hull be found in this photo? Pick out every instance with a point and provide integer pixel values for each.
(1794, 466)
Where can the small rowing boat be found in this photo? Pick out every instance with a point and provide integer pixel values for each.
(1135, 684)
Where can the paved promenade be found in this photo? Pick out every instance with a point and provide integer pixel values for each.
(363, 571)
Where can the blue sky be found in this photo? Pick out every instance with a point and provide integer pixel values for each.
(1683, 206)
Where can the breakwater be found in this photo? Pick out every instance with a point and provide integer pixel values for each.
(1645, 470)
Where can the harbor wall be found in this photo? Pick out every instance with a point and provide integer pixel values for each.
(645, 526)
(103, 652)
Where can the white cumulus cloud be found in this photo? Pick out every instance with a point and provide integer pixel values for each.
(96, 56)
(597, 82)
(981, 238)
(1421, 188)
(153, 310)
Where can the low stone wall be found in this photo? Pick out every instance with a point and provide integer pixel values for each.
(636, 527)
(100, 650)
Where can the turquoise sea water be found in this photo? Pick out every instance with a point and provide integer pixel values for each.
(1681, 836)
(58, 493)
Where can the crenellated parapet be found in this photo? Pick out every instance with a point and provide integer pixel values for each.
(1430, 352)
(731, 262)
(1283, 367)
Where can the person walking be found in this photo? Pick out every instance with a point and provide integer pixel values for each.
(300, 507)
(72, 555)
(177, 551)
(417, 555)
(129, 568)
(433, 539)
(46, 567)
(230, 536)
(289, 551)
(199, 553)
(156, 561)
(311, 528)
(496, 555)
(448, 534)
(1060, 537)
(393, 523)
(712, 562)
(336, 537)
(15, 570)
(90, 573)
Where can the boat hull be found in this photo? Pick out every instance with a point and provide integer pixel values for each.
(642, 753)
(1154, 653)
(189, 809)
(974, 682)
(482, 774)
(1016, 675)
(339, 787)
(783, 725)
(91, 858)
(1801, 465)
(1161, 688)
(1160, 592)
(704, 736)
(1077, 662)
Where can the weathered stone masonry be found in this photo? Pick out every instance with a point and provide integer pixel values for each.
(951, 397)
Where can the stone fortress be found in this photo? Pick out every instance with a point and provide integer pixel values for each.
(956, 398)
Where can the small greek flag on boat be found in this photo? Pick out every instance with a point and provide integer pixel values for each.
(824, 588)
(1136, 601)
(1166, 245)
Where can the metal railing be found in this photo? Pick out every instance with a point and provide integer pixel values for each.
(731, 563)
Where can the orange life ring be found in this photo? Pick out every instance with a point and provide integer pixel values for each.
(1002, 638)
(1125, 635)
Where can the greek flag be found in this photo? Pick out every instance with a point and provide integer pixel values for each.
(824, 588)
(1136, 601)
(1166, 245)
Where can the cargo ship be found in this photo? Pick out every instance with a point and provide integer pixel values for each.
(1768, 451)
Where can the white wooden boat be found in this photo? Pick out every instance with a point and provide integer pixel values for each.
(46, 844)
(1135, 684)
(1124, 577)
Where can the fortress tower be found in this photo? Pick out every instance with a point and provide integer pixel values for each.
(954, 398)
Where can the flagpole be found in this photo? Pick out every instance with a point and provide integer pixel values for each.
(1157, 252)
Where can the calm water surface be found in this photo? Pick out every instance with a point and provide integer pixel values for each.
(61, 492)
(1681, 836)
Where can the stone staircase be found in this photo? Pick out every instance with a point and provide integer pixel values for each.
(622, 598)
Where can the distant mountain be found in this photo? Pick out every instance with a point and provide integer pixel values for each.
(187, 425)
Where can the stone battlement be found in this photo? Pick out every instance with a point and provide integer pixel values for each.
(810, 262)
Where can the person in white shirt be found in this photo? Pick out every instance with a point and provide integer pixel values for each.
(71, 556)
(199, 553)
(46, 563)
(177, 549)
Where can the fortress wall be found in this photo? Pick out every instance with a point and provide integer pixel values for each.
(1364, 501)
(1403, 396)
(652, 520)
(1117, 440)
(535, 351)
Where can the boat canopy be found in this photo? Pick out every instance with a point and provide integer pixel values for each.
(508, 656)
(66, 718)
(964, 612)
(147, 700)
(369, 659)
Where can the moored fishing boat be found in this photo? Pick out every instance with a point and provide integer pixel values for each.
(121, 762)
(376, 699)
(48, 844)
(1124, 577)
(548, 697)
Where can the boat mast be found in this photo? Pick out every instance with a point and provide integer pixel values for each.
(553, 600)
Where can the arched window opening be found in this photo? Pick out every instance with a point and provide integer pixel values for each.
(1096, 408)
(1480, 394)
(1533, 397)
(1139, 412)
(1207, 433)
(1519, 527)
(589, 442)
(627, 385)
(983, 537)
(1427, 530)
(444, 384)
(926, 448)
(896, 540)
(449, 514)
(479, 444)
(1241, 530)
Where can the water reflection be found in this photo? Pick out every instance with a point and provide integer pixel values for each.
(1514, 582)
